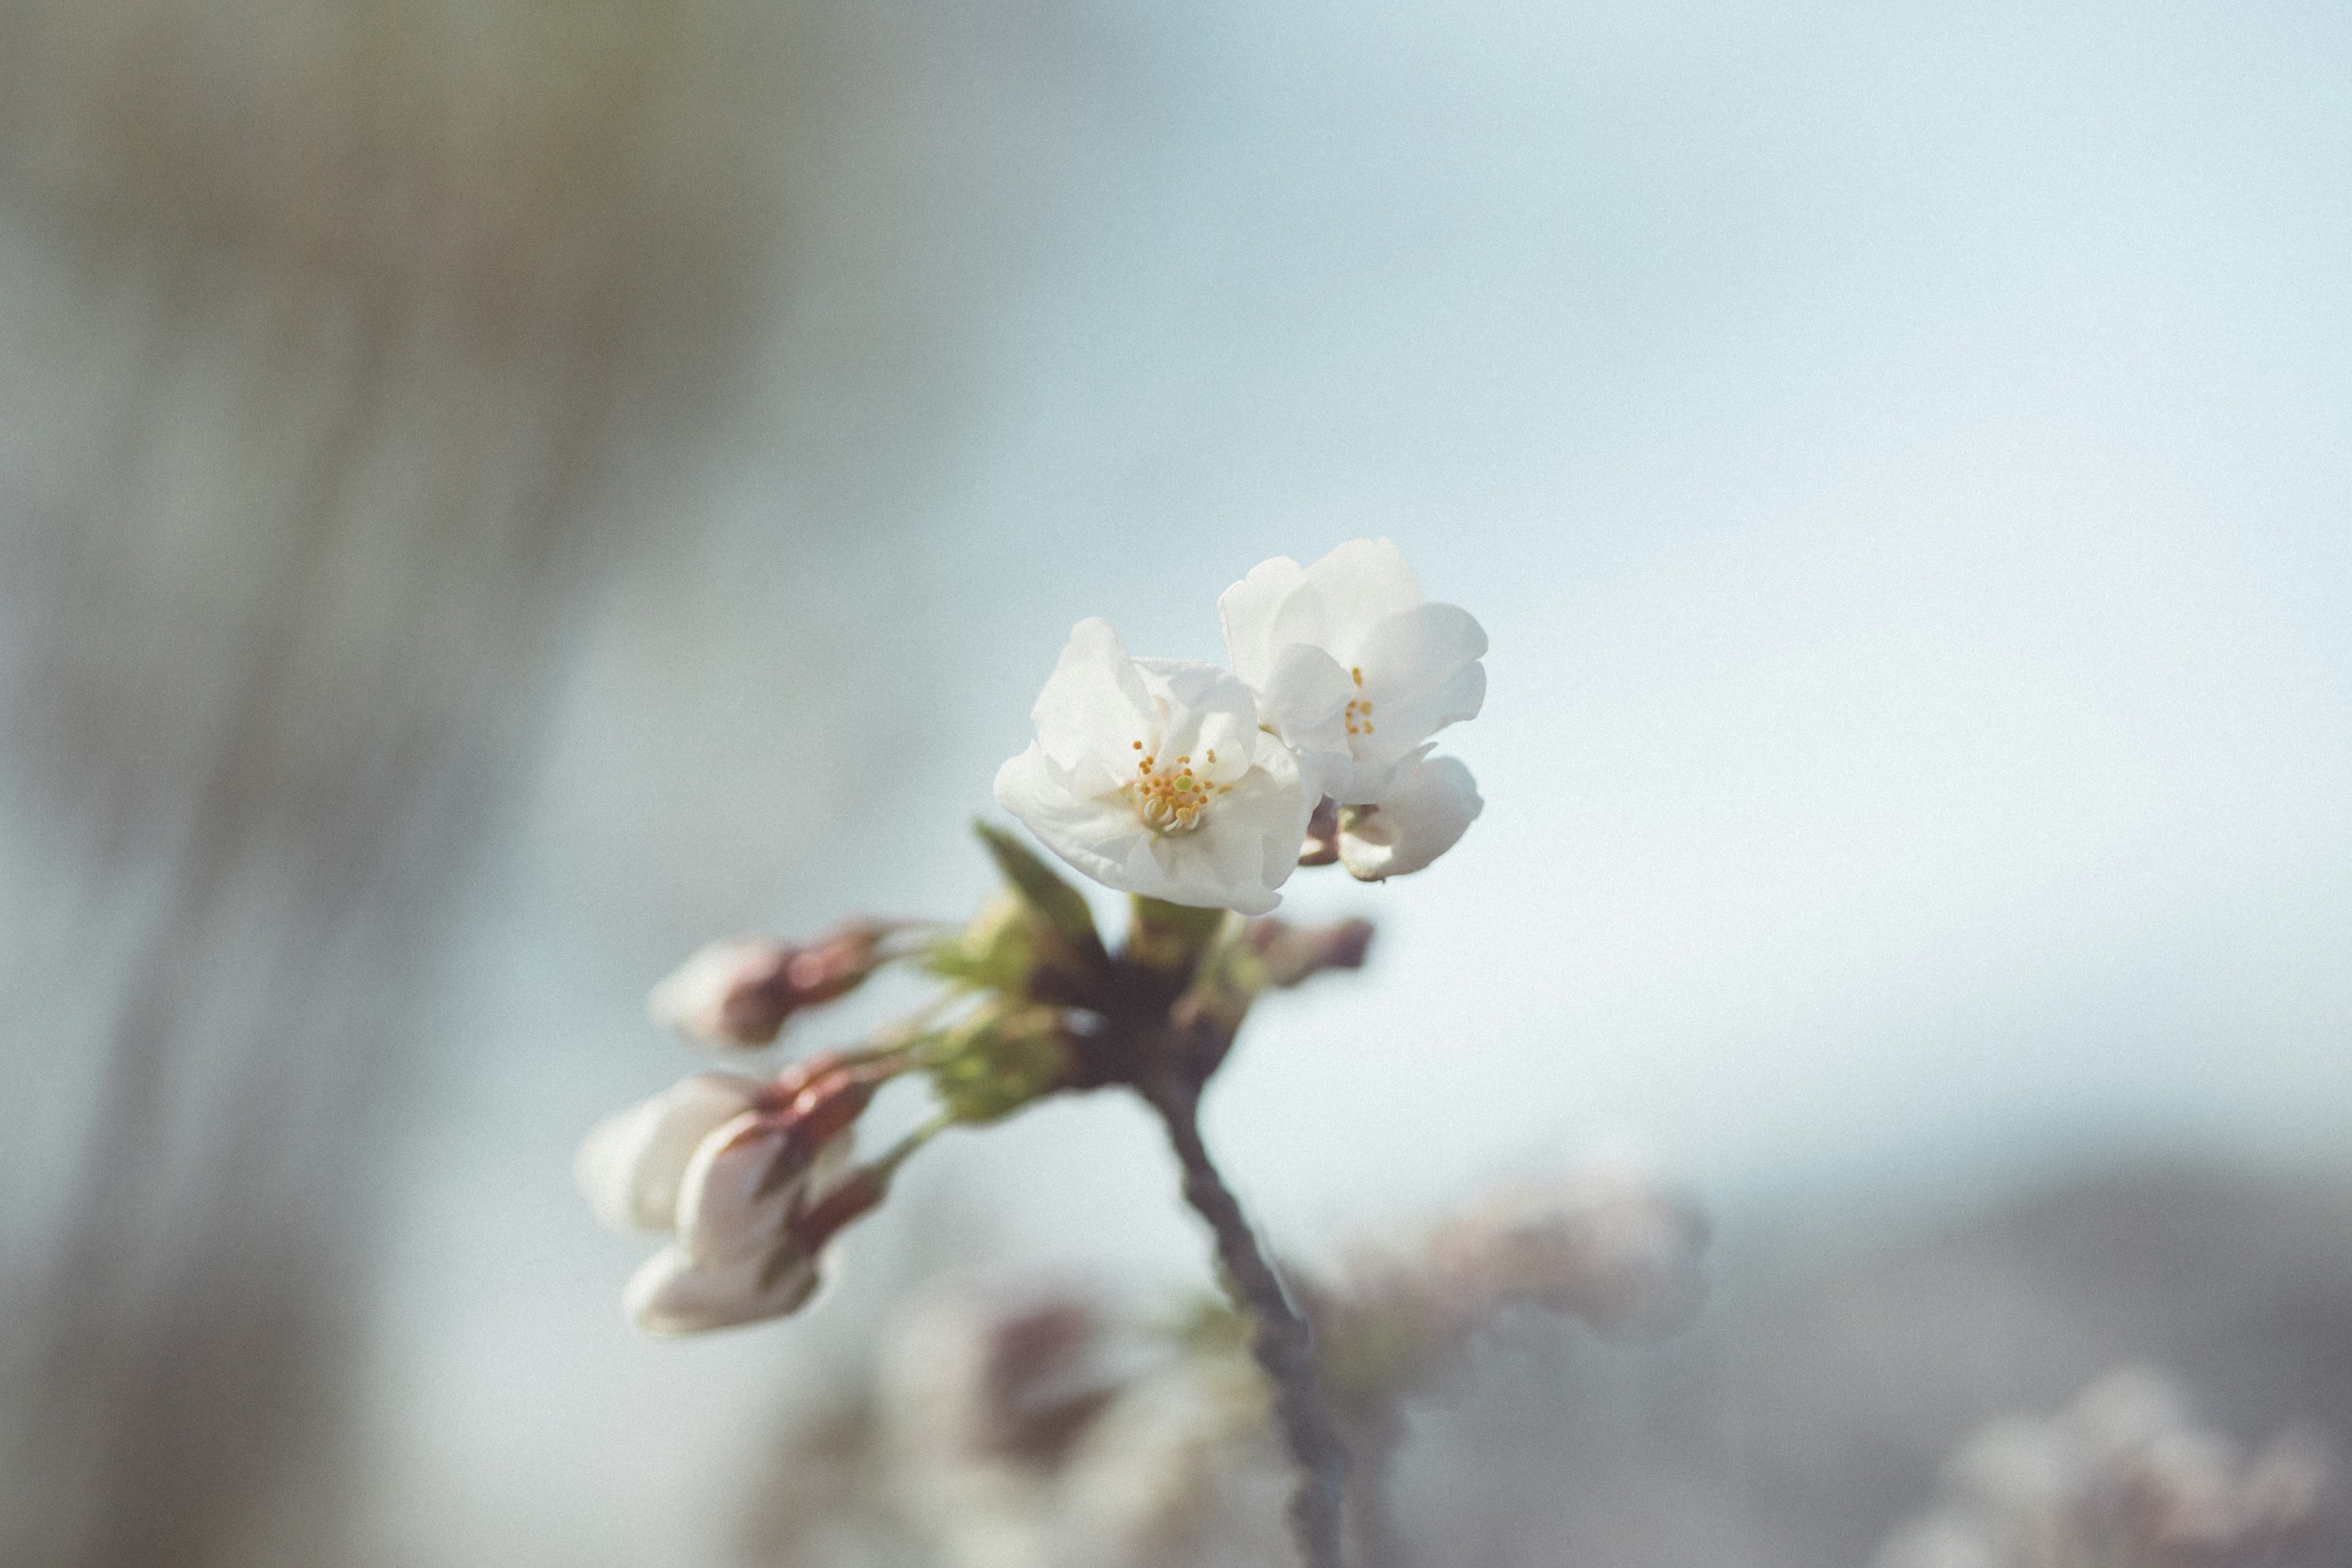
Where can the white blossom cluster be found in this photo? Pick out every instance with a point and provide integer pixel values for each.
(2123, 1479)
(1192, 784)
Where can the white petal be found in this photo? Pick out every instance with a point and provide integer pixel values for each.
(731, 1201)
(1421, 673)
(631, 1165)
(1247, 612)
(1095, 702)
(1097, 834)
(1431, 804)
(1306, 700)
(1206, 708)
(672, 1295)
(1361, 584)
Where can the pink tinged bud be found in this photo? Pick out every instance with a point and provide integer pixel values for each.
(765, 1256)
(753, 1178)
(740, 992)
(672, 1295)
(631, 1166)
(835, 964)
(728, 993)
(1293, 953)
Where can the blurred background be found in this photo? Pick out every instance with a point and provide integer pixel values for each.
(495, 494)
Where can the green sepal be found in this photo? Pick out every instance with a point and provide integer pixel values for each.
(996, 951)
(1062, 906)
(998, 1060)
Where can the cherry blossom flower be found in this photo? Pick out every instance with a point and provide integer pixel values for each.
(1350, 666)
(1154, 776)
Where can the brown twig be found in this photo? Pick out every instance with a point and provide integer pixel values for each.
(1280, 1337)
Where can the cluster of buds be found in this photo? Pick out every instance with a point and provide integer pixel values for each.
(2123, 1479)
(751, 1178)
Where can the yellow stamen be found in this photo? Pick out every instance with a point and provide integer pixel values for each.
(1170, 802)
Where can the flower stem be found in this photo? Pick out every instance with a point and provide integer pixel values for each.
(896, 1156)
(1280, 1337)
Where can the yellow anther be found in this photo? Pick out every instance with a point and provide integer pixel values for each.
(1168, 802)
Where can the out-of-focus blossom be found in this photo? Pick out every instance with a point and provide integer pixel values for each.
(748, 1176)
(1604, 1243)
(739, 992)
(1352, 668)
(1030, 1432)
(1607, 1243)
(1427, 807)
(2123, 1479)
(1153, 776)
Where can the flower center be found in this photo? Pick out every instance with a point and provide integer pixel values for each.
(1171, 799)
(1358, 712)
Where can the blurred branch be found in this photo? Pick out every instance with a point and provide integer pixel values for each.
(1279, 1338)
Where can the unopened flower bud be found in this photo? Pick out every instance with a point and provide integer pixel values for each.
(631, 1165)
(672, 1295)
(752, 1247)
(855, 1196)
(739, 992)
(753, 1176)
(1292, 954)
